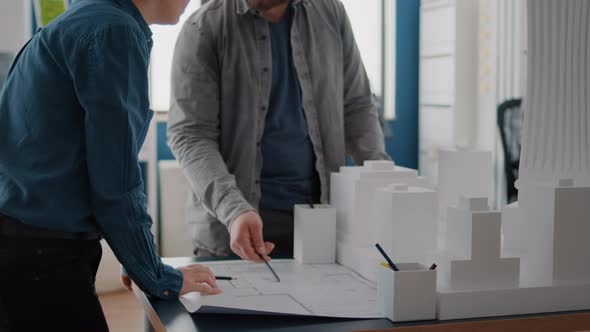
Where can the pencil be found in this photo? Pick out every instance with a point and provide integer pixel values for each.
(389, 261)
(270, 268)
(224, 278)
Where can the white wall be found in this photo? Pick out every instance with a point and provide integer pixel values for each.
(15, 24)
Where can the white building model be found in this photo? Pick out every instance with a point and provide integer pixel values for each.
(533, 256)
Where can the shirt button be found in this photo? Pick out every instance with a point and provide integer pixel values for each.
(258, 143)
(263, 37)
(263, 108)
(166, 293)
(265, 69)
(258, 181)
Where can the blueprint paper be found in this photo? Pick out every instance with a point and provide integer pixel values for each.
(323, 290)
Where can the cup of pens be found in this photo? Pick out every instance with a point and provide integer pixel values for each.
(408, 294)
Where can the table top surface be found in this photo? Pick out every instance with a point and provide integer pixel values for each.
(172, 316)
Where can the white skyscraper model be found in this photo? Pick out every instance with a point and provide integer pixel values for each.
(407, 222)
(353, 193)
(549, 225)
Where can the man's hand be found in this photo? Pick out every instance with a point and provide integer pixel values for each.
(198, 278)
(246, 237)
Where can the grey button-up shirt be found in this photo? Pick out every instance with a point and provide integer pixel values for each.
(221, 82)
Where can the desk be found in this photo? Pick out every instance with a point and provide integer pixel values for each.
(171, 316)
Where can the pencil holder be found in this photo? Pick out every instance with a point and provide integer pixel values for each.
(314, 239)
(408, 294)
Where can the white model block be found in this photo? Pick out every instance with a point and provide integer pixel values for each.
(399, 187)
(406, 222)
(565, 182)
(370, 260)
(474, 204)
(513, 227)
(571, 252)
(352, 194)
(473, 234)
(499, 273)
(462, 173)
(379, 165)
(514, 301)
(314, 239)
(536, 210)
(486, 235)
(408, 294)
(420, 181)
(475, 237)
(559, 218)
(348, 256)
(457, 239)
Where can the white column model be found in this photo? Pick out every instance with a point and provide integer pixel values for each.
(555, 159)
(556, 132)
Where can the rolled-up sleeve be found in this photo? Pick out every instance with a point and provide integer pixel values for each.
(193, 125)
(111, 84)
(364, 137)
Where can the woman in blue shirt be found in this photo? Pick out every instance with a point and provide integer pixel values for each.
(74, 113)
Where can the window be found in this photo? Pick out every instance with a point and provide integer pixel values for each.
(373, 23)
(365, 18)
(161, 58)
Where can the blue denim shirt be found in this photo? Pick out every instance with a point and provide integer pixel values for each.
(74, 113)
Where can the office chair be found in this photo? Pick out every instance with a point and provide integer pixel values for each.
(510, 125)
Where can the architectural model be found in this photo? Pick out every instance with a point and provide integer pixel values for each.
(531, 256)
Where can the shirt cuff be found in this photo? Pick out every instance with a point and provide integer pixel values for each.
(171, 290)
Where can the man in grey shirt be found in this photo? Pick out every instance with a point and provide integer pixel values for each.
(268, 98)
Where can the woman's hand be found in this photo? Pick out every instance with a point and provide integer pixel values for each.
(198, 278)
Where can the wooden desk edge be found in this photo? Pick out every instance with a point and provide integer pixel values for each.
(150, 313)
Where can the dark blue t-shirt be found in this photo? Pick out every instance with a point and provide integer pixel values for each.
(288, 173)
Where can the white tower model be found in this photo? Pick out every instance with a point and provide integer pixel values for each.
(556, 132)
(353, 194)
(548, 225)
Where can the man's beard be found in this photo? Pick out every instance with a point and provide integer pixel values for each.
(264, 5)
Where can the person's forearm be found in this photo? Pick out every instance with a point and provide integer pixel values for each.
(126, 226)
(364, 137)
(208, 176)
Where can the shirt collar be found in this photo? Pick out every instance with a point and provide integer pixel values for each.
(129, 7)
(242, 6)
